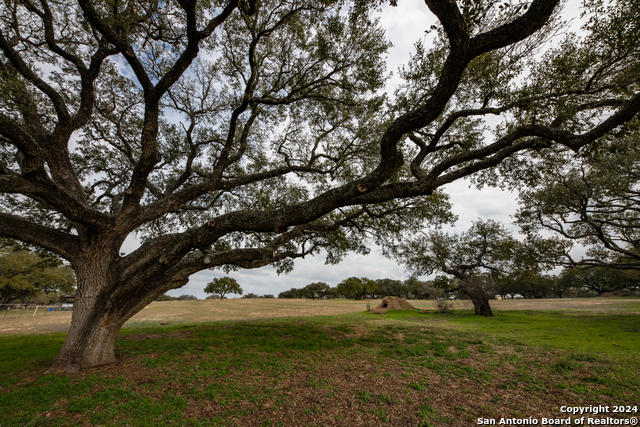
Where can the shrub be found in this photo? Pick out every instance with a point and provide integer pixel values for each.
(444, 305)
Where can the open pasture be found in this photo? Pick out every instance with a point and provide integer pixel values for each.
(190, 312)
(306, 363)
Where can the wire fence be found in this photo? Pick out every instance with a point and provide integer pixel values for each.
(19, 310)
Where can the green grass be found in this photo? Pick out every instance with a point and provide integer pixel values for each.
(279, 369)
(605, 333)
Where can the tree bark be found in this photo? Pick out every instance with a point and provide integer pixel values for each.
(101, 307)
(474, 289)
(91, 338)
(481, 305)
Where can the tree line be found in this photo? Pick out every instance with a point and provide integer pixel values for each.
(361, 287)
(571, 282)
(165, 297)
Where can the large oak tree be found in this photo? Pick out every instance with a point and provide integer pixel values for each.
(486, 248)
(243, 133)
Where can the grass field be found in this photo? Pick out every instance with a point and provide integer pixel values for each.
(317, 363)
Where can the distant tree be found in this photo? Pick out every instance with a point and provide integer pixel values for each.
(213, 297)
(165, 297)
(186, 298)
(560, 284)
(25, 274)
(530, 284)
(390, 287)
(506, 286)
(268, 296)
(46, 298)
(332, 293)
(630, 278)
(223, 286)
(251, 295)
(356, 288)
(478, 259)
(291, 293)
(421, 289)
(486, 246)
(316, 290)
(536, 285)
(600, 279)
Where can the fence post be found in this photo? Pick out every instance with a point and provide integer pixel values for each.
(35, 311)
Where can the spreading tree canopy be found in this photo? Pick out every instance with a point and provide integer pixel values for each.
(223, 286)
(243, 133)
(487, 247)
(593, 200)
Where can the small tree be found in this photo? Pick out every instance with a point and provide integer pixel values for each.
(222, 286)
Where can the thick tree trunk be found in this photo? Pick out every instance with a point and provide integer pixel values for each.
(481, 305)
(102, 305)
(94, 323)
(474, 289)
(91, 338)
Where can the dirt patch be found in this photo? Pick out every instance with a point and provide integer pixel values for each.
(155, 336)
(392, 303)
(335, 390)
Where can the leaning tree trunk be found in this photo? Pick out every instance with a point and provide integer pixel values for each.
(481, 305)
(474, 289)
(102, 305)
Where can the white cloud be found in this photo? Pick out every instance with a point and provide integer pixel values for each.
(404, 25)
(470, 203)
